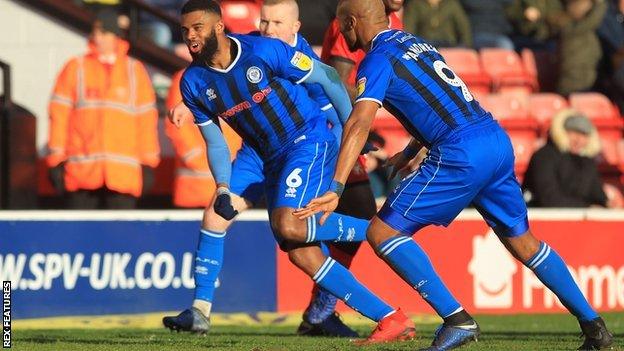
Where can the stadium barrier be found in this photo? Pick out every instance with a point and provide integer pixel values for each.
(63, 263)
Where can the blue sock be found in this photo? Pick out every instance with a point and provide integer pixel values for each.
(336, 279)
(412, 264)
(337, 227)
(208, 262)
(553, 272)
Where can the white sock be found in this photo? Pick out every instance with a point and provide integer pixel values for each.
(203, 306)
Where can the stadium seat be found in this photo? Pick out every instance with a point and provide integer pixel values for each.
(594, 105)
(241, 16)
(541, 67)
(392, 131)
(524, 146)
(507, 71)
(614, 194)
(543, 106)
(511, 112)
(465, 63)
(601, 111)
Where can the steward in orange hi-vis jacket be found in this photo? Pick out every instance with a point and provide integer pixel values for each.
(103, 123)
(193, 185)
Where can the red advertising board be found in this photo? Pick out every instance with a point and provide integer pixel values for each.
(482, 274)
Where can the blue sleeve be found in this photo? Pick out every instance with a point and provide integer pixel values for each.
(189, 96)
(329, 79)
(373, 79)
(218, 152)
(285, 61)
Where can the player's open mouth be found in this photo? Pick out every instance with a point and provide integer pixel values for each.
(194, 47)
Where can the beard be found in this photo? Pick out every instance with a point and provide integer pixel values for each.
(209, 49)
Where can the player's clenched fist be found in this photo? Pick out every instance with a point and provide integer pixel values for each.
(180, 114)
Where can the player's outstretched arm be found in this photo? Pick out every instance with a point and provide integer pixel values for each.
(329, 79)
(220, 166)
(353, 139)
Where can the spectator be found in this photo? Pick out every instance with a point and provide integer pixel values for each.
(579, 48)
(564, 173)
(611, 34)
(316, 17)
(441, 22)
(154, 28)
(490, 26)
(117, 6)
(193, 184)
(103, 124)
(534, 22)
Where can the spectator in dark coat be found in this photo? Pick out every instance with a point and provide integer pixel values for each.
(490, 25)
(579, 47)
(534, 23)
(442, 23)
(564, 173)
(611, 34)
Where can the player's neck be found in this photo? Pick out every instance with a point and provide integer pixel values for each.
(370, 35)
(225, 55)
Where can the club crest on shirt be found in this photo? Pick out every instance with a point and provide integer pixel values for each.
(301, 61)
(361, 86)
(254, 74)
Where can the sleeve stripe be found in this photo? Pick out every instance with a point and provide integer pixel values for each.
(204, 123)
(369, 99)
(326, 107)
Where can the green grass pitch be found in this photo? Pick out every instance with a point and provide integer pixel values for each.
(520, 332)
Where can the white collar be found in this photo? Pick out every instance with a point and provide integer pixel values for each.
(294, 43)
(238, 55)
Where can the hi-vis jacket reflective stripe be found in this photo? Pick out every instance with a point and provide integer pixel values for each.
(103, 123)
(194, 185)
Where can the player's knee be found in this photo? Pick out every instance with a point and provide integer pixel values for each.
(290, 229)
(213, 222)
(373, 237)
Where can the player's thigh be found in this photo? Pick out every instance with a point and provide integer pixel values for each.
(214, 222)
(247, 179)
(500, 202)
(305, 173)
(434, 194)
(358, 200)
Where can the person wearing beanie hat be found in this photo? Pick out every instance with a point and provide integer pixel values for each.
(564, 173)
(103, 141)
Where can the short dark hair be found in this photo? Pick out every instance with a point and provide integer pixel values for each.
(201, 5)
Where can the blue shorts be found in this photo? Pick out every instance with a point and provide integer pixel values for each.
(476, 166)
(301, 174)
(247, 179)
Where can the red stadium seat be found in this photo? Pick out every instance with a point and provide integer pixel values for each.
(240, 16)
(506, 70)
(543, 106)
(601, 111)
(524, 146)
(541, 67)
(614, 194)
(504, 106)
(594, 105)
(465, 63)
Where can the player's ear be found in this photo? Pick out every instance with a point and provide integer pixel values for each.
(296, 26)
(219, 27)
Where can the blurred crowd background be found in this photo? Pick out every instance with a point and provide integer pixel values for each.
(551, 71)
